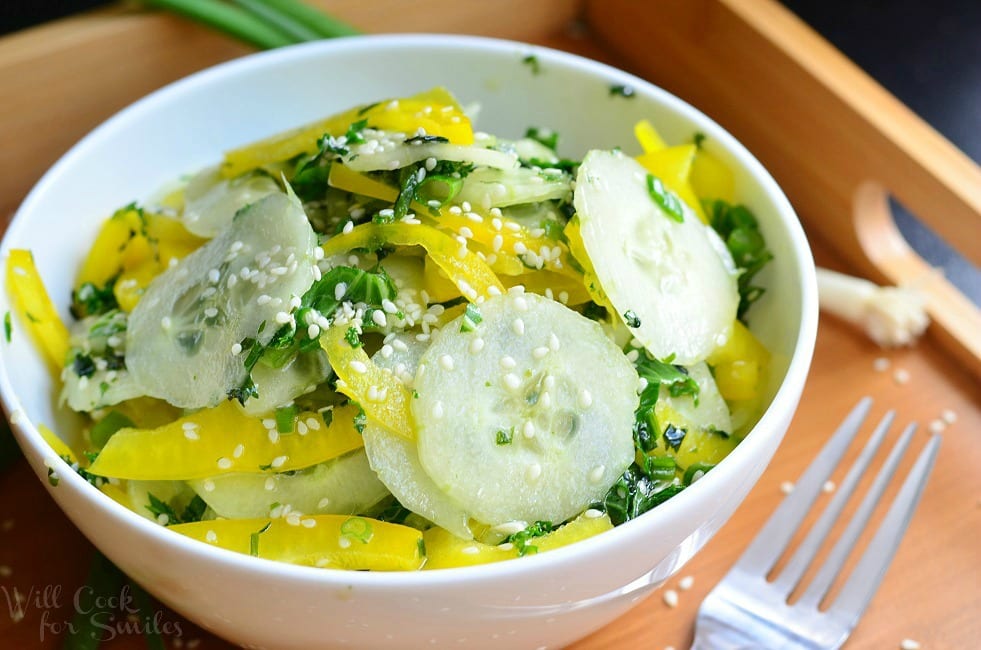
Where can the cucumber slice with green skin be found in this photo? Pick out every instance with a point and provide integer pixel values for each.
(528, 416)
(396, 460)
(391, 155)
(678, 279)
(497, 188)
(181, 336)
(210, 201)
(343, 486)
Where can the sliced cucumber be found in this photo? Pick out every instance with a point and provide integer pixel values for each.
(529, 149)
(210, 201)
(395, 155)
(396, 460)
(279, 386)
(179, 345)
(703, 430)
(531, 423)
(498, 188)
(345, 485)
(95, 375)
(678, 279)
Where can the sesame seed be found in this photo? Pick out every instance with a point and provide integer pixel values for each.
(263, 299)
(493, 291)
(283, 317)
(520, 249)
(213, 276)
(686, 583)
(511, 381)
(596, 474)
(881, 364)
(829, 486)
(507, 363)
(308, 522)
(378, 317)
(313, 424)
(585, 399)
(163, 519)
(446, 362)
(534, 472)
(438, 411)
(909, 644)
(323, 503)
(339, 290)
(270, 483)
(239, 450)
(545, 399)
(476, 345)
(948, 416)
(344, 542)
(211, 537)
(937, 426)
(191, 434)
(592, 513)
(518, 326)
(358, 367)
(224, 463)
(901, 376)
(564, 297)
(528, 429)
(293, 519)
(470, 550)
(348, 227)
(786, 487)
(671, 598)
(236, 349)
(165, 322)
(273, 436)
(553, 342)
(279, 461)
(313, 330)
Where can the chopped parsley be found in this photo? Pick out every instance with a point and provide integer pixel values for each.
(533, 64)
(90, 300)
(638, 490)
(631, 319)
(7, 327)
(191, 513)
(352, 337)
(505, 436)
(621, 90)
(698, 139)
(739, 229)
(665, 198)
(522, 539)
(546, 137)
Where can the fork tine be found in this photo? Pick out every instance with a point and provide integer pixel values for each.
(804, 555)
(868, 573)
(770, 543)
(836, 558)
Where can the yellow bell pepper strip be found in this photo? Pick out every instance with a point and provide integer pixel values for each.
(34, 308)
(468, 272)
(383, 397)
(435, 110)
(325, 541)
(648, 137)
(224, 439)
(578, 251)
(738, 365)
(556, 286)
(437, 285)
(710, 178)
(500, 244)
(445, 550)
(148, 412)
(57, 444)
(133, 247)
(673, 166)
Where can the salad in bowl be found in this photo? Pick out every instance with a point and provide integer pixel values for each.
(437, 366)
(389, 341)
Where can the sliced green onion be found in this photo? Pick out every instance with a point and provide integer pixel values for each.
(283, 22)
(107, 426)
(231, 20)
(325, 26)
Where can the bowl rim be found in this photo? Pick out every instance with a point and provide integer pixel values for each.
(782, 405)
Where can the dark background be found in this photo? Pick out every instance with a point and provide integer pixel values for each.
(926, 52)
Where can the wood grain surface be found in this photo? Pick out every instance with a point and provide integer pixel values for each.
(60, 80)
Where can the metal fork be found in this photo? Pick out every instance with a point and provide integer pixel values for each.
(745, 610)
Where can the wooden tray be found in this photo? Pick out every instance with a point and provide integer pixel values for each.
(834, 139)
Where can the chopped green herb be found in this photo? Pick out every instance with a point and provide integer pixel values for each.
(90, 300)
(698, 139)
(352, 337)
(286, 417)
(621, 90)
(695, 471)
(505, 436)
(425, 139)
(83, 365)
(554, 230)
(636, 492)
(739, 229)
(358, 528)
(53, 477)
(360, 420)
(631, 319)
(7, 328)
(522, 539)
(673, 436)
(105, 428)
(353, 134)
(665, 198)
(547, 137)
(254, 540)
(471, 318)
(532, 62)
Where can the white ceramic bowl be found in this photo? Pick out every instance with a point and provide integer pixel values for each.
(549, 599)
